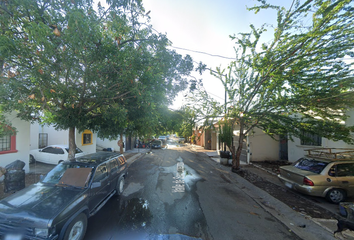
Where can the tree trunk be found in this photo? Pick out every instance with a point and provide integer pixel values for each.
(72, 144)
(237, 157)
(121, 145)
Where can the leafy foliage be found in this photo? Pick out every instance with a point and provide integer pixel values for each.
(65, 63)
(300, 80)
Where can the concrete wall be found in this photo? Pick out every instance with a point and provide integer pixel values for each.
(60, 137)
(106, 143)
(22, 142)
(263, 147)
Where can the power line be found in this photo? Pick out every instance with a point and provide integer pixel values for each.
(212, 55)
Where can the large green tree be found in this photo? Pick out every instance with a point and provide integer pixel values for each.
(67, 64)
(298, 82)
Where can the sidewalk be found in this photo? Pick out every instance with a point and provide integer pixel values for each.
(303, 226)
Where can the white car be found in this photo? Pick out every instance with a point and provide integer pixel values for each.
(53, 154)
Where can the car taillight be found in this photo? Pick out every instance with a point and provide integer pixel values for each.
(308, 182)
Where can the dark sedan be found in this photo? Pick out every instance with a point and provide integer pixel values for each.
(156, 144)
(58, 206)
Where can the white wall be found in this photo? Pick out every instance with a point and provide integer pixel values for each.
(22, 143)
(91, 148)
(105, 143)
(296, 150)
(263, 147)
(60, 137)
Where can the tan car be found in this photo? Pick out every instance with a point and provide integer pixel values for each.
(329, 178)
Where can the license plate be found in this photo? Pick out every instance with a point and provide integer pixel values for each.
(13, 237)
(289, 185)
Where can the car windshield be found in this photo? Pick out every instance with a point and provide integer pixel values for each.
(78, 150)
(312, 165)
(69, 174)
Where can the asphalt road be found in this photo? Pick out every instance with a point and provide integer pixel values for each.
(199, 201)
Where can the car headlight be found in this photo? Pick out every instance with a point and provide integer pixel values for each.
(41, 232)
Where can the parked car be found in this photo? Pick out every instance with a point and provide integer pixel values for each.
(53, 154)
(156, 144)
(58, 206)
(329, 178)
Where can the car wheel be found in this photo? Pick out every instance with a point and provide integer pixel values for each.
(120, 186)
(77, 228)
(60, 161)
(32, 159)
(335, 195)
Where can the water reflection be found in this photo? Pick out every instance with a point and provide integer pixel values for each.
(137, 215)
(188, 174)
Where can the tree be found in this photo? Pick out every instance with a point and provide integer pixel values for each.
(298, 82)
(66, 64)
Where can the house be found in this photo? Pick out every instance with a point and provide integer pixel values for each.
(44, 135)
(297, 147)
(17, 145)
(258, 146)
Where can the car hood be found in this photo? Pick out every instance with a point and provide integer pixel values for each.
(38, 202)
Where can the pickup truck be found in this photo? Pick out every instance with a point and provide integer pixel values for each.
(59, 205)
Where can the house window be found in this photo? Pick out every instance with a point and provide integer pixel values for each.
(8, 143)
(43, 140)
(87, 137)
(311, 139)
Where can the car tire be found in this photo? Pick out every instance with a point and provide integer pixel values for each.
(335, 195)
(77, 228)
(60, 161)
(120, 186)
(32, 159)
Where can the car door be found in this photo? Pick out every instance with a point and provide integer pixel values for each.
(45, 155)
(58, 155)
(345, 176)
(114, 172)
(102, 186)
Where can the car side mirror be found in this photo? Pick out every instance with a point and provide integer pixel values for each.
(96, 185)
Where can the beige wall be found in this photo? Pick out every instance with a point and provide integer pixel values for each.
(263, 147)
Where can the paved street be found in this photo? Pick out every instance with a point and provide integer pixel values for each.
(209, 207)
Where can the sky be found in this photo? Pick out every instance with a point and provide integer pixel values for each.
(205, 26)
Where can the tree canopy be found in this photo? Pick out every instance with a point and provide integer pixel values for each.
(298, 82)
(69, 64)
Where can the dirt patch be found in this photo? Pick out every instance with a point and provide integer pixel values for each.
(287, 196)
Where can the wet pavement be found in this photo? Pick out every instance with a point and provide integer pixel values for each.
(177, 193)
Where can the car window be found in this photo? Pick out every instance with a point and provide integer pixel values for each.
(114, 165)
(58, 150)
(101, 173)
(312, 165)
(48, 150)
(345, 170)
(78, 150)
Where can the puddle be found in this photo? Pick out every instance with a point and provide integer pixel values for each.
(183, 172)
(137, 214)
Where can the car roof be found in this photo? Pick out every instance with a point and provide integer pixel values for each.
(97, 158)
(57, 145)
